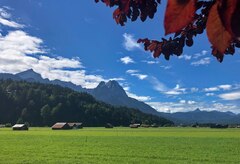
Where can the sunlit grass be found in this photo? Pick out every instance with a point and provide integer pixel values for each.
(120, 145)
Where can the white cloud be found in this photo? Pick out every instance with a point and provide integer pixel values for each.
(127, 60)
(185, 57)
(225, 87)
(139, 98)
(130, 43)
(4, 13)
(151, 62)
(171, 107)
(157, 85)
(140, 76)
(204, 52)
(78, 77)
(10, 23)
(130, 71)
(58, 62)
(190, 102)
(198, 55)
(4, 19)
(182, 101)
(212, 89)
(230, 96)
(173, 92)
(21, 42)
(162, 88)
(14, 48)
(126, 88)
(225, 107)
(136, 74)
(218, 88)
(204, 61)
(176, 91)
(185, 106)
(117, 79)
(19, 52)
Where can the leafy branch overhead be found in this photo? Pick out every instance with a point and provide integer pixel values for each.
(185, 19)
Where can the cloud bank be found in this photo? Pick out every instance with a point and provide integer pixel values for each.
(130, 43)
(19, 51)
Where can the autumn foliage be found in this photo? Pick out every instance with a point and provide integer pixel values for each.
(185, 19)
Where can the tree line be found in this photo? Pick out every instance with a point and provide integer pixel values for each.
(44, 104)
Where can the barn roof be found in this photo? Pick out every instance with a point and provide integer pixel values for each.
(134, 125)
(74, 124)
(19, 125)
(59, 125)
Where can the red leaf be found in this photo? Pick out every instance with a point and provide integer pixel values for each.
(179, 13)
(226, 11)
(235, 24)
(216, 31)
(125, 6)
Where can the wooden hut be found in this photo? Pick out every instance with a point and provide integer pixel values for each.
(108, 125)
(75, 125)
(134, 125)
(61, 126)
(20, 127)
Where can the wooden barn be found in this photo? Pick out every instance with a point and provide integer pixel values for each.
(75, 125)
(61, 126)
(134, 125)
(20, 127)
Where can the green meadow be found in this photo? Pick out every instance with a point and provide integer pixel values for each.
(120, 145)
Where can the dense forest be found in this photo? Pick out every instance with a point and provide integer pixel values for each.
(44, 104)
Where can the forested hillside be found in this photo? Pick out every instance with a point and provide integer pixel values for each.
(43, 104)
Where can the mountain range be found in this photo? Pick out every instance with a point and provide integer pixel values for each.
(112, 93)
(202, 117)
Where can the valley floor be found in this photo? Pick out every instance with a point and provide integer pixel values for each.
(121, 145)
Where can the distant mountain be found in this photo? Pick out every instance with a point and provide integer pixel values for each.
(203, 117)
(31, 76)
(112, 93)
(5, 76)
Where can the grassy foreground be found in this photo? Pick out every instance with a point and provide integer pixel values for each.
(120, 145)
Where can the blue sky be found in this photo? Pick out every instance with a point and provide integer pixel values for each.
(80, 42)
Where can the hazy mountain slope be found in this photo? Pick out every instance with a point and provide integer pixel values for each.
(202, 117)
(32, 76)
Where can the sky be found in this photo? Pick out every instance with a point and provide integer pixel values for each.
(79, 41)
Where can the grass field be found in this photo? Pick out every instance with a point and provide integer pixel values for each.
(120, 145)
